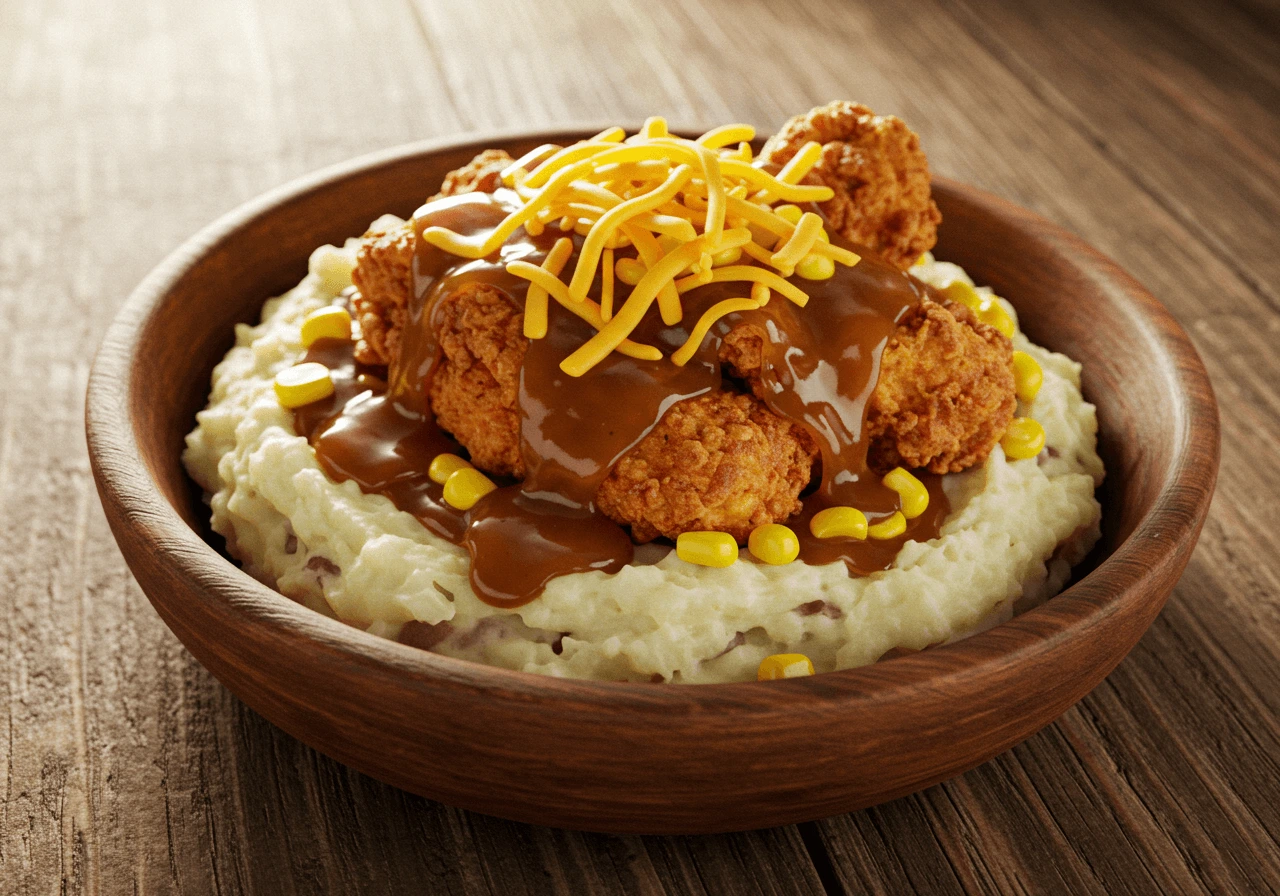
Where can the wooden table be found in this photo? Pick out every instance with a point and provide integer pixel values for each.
(1154, 132)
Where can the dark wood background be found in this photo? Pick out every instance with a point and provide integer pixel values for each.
(1153, 130)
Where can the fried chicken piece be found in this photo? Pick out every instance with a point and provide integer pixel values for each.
(384, 265)
(721, 461)
(474, 389)
(878, 172)
(945, 394)
(383, 276)
(483, 174)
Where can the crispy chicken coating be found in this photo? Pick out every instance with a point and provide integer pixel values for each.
(474, 389)
(945, 394)
(721, 461)
(383, 277)
(483, 174)
(384, 265)
(946, 391)
(878, 172)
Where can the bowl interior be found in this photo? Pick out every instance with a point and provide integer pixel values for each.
(584, 751)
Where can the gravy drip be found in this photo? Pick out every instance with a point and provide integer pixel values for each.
(362, 433)
(821, 364)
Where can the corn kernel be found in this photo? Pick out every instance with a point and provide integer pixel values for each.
(839, 522)
(707, 548)
(445, 465)
(465, 487)
(327, 323)
(914, 496)
(1023, 439)
(728, 256)
(959, 291)
(303, 384)
(789, 213)
(774, 543)
(784, 665)
(1027, 376)
(629, 270)
(816, 267)
(889, 528)
(992, 312)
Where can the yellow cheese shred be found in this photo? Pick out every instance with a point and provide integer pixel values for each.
(606, 286)
(595, 349)
(753, 274)
(650, 251)
(716, 138)
(535, 303)
(801, 163)
(682, 355)
(715, 193)
(589, 256)
(799, 244)
(588, 310)
(695, 211)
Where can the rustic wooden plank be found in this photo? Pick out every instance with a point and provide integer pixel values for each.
(1198, 136)
(127, 767)
(1110, 848)
(1195, 121)
(131, 125)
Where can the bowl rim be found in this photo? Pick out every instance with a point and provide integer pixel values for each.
(124, 480)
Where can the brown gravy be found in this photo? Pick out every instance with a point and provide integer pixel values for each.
(821, 364)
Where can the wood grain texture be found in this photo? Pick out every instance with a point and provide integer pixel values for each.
(1152, 131)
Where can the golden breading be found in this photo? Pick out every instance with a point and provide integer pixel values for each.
(384, 265)
(383, 276)
(483, 174)
(878, 172)
(945, 393)
(475, 387)
(721, 461)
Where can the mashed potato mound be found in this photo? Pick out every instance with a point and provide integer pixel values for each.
(1015, 530)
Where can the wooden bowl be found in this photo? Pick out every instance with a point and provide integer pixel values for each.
(639, 757)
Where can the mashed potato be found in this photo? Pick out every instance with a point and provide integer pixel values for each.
(1015, 530)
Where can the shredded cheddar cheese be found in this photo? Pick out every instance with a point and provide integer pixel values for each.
(683, 213)
(682, 355)
(606, 285)
(797, 247)
(535, 304)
